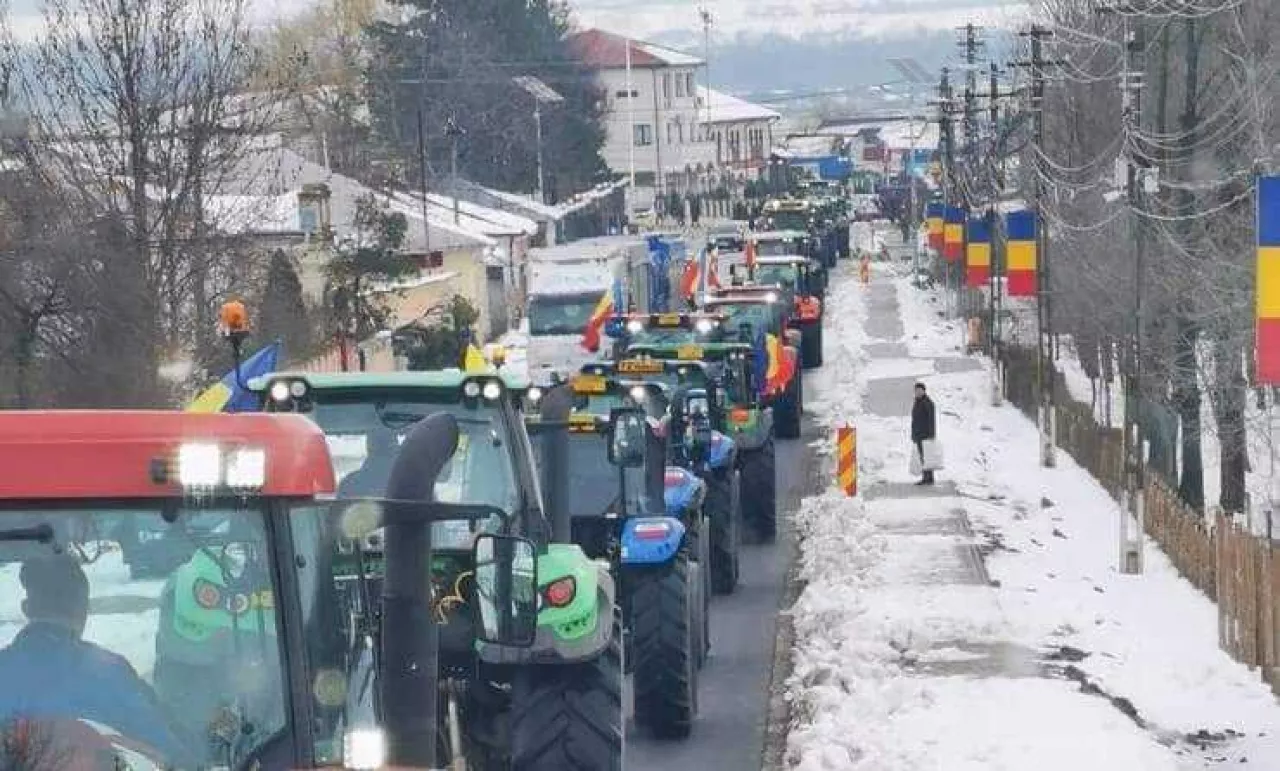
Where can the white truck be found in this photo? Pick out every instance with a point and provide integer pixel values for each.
(566, 285)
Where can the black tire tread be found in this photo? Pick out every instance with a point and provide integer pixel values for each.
(569, 718)
(760, 490)
(724, 506)
(663, 647)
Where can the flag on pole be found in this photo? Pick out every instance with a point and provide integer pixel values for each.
(1020, 253)
(953, 235)
(750, 254)
(978, 253)
(591, 333)
(934, 219)
(227, 396)
(1267, 307)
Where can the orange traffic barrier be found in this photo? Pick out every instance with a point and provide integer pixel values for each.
(847, 459)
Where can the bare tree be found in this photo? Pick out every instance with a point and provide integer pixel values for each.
(139, 109)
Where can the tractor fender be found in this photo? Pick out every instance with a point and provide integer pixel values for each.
(723, 452)
(651, 540)
(682, 491)
(564, 639)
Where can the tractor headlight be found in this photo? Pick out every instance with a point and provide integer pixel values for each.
(471, 389)
(704, 326)
(199, 465)
(635, 327)
(297, 389)
(772, 297)
(364, 749)
(246, 468)
(492, 390)
(638, 393)
(280, 391)
(534, 395)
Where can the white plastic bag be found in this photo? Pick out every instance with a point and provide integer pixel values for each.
(932, 454)
(915, 468)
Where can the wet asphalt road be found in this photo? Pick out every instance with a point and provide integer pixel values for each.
(734, 694)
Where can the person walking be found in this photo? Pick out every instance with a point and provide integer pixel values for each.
(923, 429)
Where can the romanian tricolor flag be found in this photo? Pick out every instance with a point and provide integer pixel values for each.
(473, 360)
(591, 333)
(689, 279)
(1020, 253)
(227, 396)
(1267, 322)
(933, 217)
(953, 235)
(749, 254)
(977, 270)
(774, 364)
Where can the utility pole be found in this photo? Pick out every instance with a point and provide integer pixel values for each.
(948, 161)
(996, 270)
(971, 44)
(454, 133)
(705, 15)
(1046, 415)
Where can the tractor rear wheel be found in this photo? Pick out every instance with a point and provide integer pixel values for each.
(664, 645)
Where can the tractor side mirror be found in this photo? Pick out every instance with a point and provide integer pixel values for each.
(506, 590)
(627, 437)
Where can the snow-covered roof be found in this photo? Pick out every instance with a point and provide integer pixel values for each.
(896, 134)
(278, 173)
(725, 108)
(608, 51)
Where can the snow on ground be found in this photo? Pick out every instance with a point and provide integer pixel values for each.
(914, 652)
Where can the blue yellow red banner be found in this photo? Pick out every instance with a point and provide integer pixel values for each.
(933, 217)
(1267, 307)
(977, 269)
(1020, 254)
(953, 234)
(227, 396)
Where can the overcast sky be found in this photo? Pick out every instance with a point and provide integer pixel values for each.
(732, 18)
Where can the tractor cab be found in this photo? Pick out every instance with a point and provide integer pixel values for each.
(664, 330)
(184, 667)
(782, 241)
(800, 285)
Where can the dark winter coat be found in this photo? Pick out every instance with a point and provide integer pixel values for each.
(923, 425)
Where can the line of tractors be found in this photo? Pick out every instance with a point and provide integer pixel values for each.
(466, 567)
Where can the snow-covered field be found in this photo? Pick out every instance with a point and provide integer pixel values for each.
(912, 653)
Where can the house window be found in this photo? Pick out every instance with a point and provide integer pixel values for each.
(689, 84)
(644, 134)
(671, 133)
(679, 86)
(645, 178)
(680, 133)
(622, 93)
(435, 259)
(666, 87)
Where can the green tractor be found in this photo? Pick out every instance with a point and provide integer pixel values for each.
(621, 513)
(740, 409)
(800, 286)
(528, 653)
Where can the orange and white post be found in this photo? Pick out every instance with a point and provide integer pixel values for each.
(847, 459)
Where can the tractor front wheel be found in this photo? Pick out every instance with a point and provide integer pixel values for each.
(569, 718)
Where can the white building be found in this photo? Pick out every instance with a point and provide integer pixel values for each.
(742, 132)
(656, 121)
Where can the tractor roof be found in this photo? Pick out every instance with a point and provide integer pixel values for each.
(782, 259)
(778, 235)
(441, 379)
(114, 454)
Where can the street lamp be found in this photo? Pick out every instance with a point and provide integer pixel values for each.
(542, 94)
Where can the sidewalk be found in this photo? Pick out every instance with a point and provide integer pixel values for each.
(981, 624)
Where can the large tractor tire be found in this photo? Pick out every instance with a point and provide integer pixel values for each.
(724, 506)
(760, 491)
(811, 347)
(663, 628)
(570, 717)
(788, 408)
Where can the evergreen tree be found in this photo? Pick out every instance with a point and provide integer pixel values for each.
(463, 55)
(284, 312)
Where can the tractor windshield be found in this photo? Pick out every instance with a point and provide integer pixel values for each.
(654, 404)
(365, 434)
(146, 632)
(779, 247)
(562, 314)
(789, 220)
(786, 275)
(593, 479)
(758, 316)
(664, 336)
